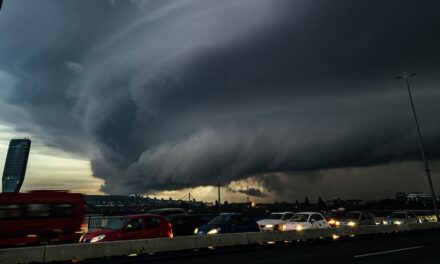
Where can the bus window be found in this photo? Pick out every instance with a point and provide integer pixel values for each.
(37, 210)
(11, 211)
(62, 210)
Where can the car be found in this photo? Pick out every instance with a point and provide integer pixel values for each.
(401, 217)
(184, 224)
(275, 221)
(306, 220)
(130, 227)
(228, 223)
(333, 217)
(357, 218)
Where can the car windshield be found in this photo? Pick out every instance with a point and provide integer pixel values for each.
(113, 223)
(300, 218)
(275, 216)
(351, 215)
(221, 219)
(398, 215)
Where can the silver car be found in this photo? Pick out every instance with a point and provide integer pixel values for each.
(401, 217)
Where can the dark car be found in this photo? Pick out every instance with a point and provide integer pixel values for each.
(333, 217)
(357, 218)
(130, 227)
(229, 223)
(185, 224)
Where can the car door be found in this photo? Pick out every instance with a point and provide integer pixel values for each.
(312, 221)
(287, 216)
(315, 221)
(249, 225)
(363, 219)
(322, 223)
(372, 220)
(236, 225)
(152, 227)
(412, 218)
(134, 229)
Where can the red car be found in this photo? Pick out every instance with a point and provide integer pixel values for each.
(130, 227)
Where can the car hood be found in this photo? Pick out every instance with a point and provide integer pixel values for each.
(206, 228)
(349, 220)
(98, 232)
(296, 223)
(395, 219)
(270, 222)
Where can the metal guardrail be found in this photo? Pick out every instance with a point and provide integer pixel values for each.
(421, 219)
(94, 222)
(50, 253)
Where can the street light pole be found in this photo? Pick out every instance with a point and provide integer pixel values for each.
(406, 77)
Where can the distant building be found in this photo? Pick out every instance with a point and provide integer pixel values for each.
(15, 165)
(420, 197)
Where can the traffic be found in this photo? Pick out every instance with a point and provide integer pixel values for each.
(53, 217)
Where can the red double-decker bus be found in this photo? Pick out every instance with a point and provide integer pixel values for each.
(41, 216)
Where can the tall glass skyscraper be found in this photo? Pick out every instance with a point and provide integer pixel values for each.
(16, 163)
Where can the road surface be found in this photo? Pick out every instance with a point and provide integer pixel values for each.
(412, 247)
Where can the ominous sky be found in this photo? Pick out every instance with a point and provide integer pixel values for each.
(276, 99)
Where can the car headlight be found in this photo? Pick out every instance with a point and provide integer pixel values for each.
(397, 222)
(213, 231)
(351, 223)
(332, 222)
(283, 227)
(97, 238)
(337, 223)
(269, 226)
(299, 228)
(196, 231)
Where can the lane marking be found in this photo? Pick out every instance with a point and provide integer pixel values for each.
(388, 252)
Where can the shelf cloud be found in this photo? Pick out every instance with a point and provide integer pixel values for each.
(165, 95)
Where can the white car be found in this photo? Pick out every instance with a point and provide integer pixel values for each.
(306, 220)
(274, 221)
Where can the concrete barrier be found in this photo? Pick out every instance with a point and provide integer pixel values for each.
(22, 255)
(45, 254)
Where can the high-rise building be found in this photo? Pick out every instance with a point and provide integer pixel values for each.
(15, 165)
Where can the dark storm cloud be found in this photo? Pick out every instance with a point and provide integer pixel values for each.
(250, 191)
(174, 94)
(253, 192)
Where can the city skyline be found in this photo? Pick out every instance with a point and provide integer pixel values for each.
(277, 101)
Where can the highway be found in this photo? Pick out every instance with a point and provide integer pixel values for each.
(412, 247)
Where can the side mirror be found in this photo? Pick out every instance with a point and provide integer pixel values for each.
(128, 228)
